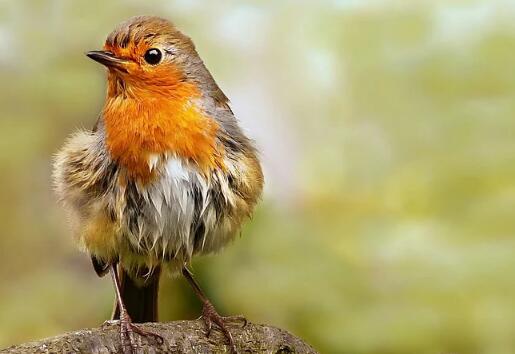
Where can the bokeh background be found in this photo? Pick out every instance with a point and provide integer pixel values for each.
(387, 133)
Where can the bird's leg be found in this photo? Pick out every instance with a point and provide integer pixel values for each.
(127, 328)
(127, 338)
(209, 313)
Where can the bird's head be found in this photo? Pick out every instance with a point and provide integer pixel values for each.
(147, 54)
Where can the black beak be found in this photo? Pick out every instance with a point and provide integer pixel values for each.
(108, 59)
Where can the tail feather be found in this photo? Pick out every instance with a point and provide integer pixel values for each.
(139, 296)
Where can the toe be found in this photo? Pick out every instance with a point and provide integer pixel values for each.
(238, 318)
(109, 323)
(145, 333)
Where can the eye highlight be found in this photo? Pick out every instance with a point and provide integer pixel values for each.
(153, 56)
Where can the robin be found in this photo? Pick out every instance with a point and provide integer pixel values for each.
(166, 173)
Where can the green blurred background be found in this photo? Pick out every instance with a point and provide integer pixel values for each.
(387, 135)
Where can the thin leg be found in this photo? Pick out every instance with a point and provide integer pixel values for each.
(209, 313)
(116, 282)
(126, 333)
(127, 328)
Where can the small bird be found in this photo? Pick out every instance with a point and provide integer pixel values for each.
(166, 173)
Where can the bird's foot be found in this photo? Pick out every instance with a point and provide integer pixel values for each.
(129, 342)
(210, 316)
(148, 334)
(127, 337)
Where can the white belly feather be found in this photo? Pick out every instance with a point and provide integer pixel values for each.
(179, 216)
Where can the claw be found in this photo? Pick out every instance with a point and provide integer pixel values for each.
(237, 318)
(209, 326)
(109, 323)
(129, 345)
(210, 316)
(159, 339)
(245, 322)
(129, 342)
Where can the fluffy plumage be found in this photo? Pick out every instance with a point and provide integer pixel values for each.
(167, 173)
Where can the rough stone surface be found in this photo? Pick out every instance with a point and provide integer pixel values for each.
(179, 337)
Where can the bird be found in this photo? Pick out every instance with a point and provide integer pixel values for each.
(165, 174)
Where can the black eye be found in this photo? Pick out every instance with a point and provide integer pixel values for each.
(153, 56)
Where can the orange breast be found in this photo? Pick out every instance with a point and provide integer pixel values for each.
(144, 123)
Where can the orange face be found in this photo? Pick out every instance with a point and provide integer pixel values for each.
(152, 106)
(147, 66)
